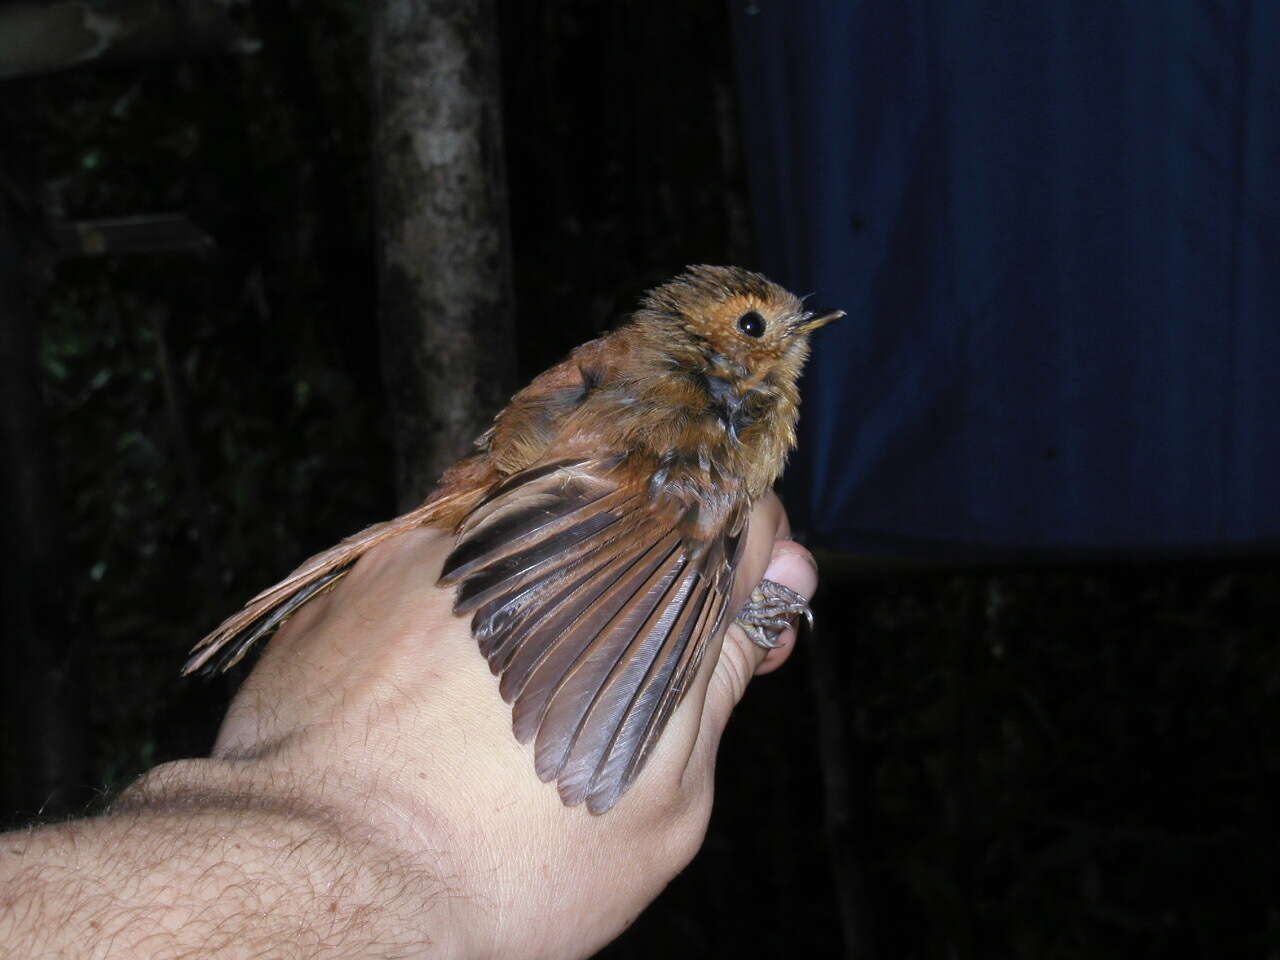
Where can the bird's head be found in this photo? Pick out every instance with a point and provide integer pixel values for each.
(734, 325)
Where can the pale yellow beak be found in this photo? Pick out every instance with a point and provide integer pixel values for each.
(808, 323)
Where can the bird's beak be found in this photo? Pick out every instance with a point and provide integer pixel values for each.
(810, 321)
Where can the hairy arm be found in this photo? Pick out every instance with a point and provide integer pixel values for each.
(366, 798)
(203, 858)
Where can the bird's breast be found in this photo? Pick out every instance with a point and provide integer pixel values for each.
(694, 436)
(735, 411)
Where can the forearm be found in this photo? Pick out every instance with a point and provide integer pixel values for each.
(196, 860)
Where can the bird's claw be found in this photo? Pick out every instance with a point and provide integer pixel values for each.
(769, 612)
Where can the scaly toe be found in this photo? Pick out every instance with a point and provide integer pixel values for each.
(768, 613)
(758, 634)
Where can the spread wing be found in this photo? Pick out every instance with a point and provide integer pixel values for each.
(595, 608)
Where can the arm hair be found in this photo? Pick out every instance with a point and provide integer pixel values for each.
(192, 861)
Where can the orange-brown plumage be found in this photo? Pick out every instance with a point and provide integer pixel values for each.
(599, 520)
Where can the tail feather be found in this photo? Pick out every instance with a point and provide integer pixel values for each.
(224, 647)
(223, 653)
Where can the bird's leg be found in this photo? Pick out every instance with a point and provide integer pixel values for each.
(769, 612)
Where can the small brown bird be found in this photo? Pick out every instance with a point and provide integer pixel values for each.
(600, 522)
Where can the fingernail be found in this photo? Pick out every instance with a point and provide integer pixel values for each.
(793, 566)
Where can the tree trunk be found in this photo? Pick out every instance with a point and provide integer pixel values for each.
(444, 287)
(41, 686)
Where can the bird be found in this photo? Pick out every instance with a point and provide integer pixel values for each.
(599, 524)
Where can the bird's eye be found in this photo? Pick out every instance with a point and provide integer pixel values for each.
(752, 324)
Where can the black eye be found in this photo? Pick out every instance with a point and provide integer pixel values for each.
(752, 324)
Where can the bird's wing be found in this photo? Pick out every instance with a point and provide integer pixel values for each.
(595, 608)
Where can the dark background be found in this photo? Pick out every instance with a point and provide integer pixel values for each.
(1001, 762)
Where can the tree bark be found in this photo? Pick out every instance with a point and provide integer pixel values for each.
(42, 680)
(45, 37)
(440, 200)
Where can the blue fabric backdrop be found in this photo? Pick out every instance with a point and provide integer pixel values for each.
(1056, 230)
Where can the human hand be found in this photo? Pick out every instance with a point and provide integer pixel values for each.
(373, 707)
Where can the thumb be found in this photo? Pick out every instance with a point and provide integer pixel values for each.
(793, 566)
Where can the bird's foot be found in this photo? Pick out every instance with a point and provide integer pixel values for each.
(769, 612)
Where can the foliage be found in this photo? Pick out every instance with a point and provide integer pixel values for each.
(216, 418)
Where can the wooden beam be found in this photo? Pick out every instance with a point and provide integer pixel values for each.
(153, 233)
(39, 38)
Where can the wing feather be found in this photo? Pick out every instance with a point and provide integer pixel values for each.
(547, 655)
(572, 676)
(595, 606)
(605, 727)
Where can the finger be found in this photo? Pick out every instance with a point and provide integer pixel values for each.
(723, 681)
(768, 518)
(672, 758)
(792, 566)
